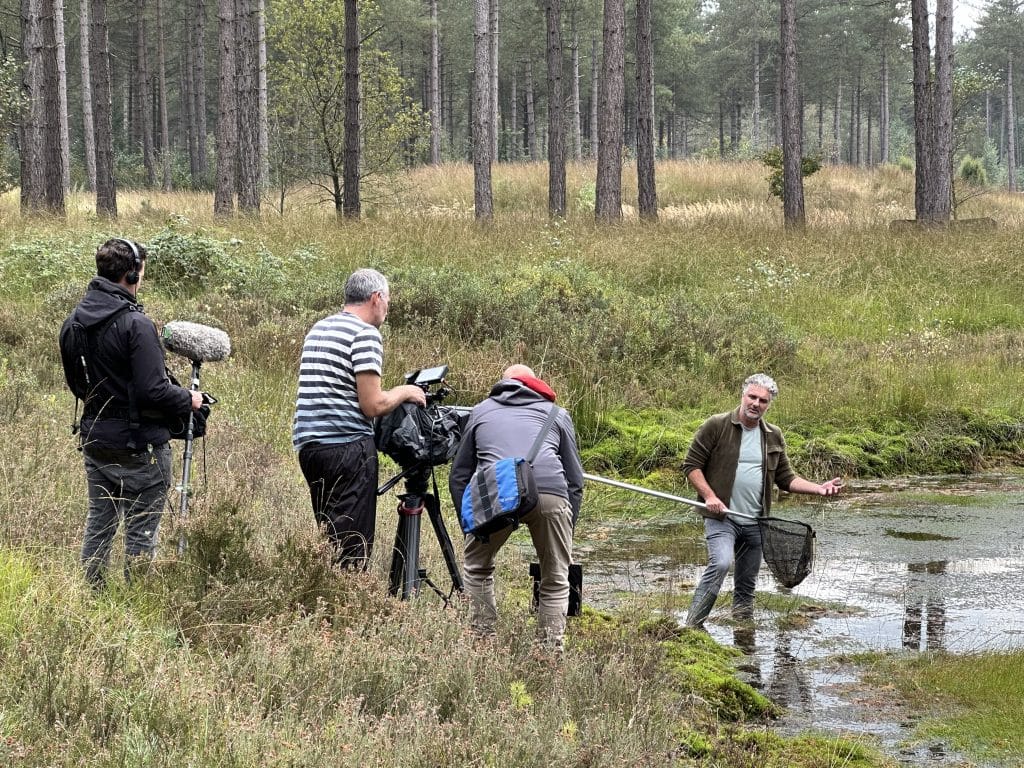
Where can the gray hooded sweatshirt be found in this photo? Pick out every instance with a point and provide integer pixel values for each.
(506, 425)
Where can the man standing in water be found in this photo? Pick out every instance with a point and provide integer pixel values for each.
(735, 459)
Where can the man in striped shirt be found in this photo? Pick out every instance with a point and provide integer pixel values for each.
(339, 396)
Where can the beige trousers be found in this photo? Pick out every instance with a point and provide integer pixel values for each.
(550, 525)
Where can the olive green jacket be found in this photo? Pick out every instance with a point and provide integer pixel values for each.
(715, 451)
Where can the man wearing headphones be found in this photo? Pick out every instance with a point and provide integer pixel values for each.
(114, 363)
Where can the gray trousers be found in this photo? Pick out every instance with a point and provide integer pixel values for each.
(550, 525)
(727, 541)
(129, 485)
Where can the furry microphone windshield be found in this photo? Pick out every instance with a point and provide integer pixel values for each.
(199, 343)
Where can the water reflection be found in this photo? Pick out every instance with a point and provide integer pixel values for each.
(788, 683)
(924, 619)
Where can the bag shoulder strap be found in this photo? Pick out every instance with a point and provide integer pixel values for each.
(542, 434)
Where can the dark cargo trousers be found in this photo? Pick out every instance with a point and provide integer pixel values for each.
(123, 484)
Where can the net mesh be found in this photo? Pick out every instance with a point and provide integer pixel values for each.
(788, 549)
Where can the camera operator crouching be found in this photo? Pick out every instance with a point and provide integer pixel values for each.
(339, 396)
(506, 424)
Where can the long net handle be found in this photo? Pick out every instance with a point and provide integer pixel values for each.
(658, 494)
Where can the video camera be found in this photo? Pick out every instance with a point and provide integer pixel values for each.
(415, 436)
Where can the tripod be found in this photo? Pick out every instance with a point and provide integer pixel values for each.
(406, 576)
(186, 467)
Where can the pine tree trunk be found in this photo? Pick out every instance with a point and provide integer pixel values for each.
(869, 160)
(777, 121)
(264, 109)
(515, 140)
(792, 140)
(1011, 129)
(531, 118)
(821, 124)
(227, 111)
(883, 112)
(577, 128)
(188, 113)
(99, 71)
(199, 87)
(165, 136)
(595, 95)
(495, 116)
(142, 84)
(608, 198)
(352, 204)
(837, 137)
(127, 105)
(855, 138)
(944, 110)
(248, 105)
(434, 87)
(933, 112)
(755, 118)
(31, 138)
(62, 93)
(647, 197)
(721, 130)
(483, 203)
(88, 132)
(556, 110)
(43, 130)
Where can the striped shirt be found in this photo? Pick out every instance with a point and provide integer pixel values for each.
(327, 410)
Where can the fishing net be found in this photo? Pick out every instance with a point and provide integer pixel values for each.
(788, 549)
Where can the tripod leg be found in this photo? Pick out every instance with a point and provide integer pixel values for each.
(444, 540)
(186, 466)
(398, 558)
(405, 565)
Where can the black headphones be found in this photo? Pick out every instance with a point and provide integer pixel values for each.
(133, 276)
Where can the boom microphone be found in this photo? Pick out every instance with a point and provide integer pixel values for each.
(199, 343)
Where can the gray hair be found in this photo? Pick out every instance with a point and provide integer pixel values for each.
(761, 380)
(362, 284)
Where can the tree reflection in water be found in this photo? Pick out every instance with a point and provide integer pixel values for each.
(924, 618)
(788, 683)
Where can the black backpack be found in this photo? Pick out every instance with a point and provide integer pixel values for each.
(78, 346)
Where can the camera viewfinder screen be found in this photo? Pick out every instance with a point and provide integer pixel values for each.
(430, 375)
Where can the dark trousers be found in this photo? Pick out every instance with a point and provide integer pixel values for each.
(123, 484)
(343, 489)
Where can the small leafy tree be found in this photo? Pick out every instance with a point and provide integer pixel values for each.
(307, 78)
(773, 159)
(973, 172)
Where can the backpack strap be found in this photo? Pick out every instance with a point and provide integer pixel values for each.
(542, 434)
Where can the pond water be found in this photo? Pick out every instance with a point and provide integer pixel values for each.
(916, 565)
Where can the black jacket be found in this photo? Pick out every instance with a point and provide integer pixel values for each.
(125, 364)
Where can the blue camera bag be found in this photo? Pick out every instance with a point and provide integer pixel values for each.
(499, 494)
